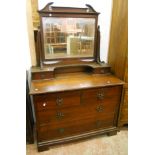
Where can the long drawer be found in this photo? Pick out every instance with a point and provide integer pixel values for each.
(50, 131)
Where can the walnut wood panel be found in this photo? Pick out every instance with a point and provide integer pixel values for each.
(123, 117)
(42, 146)
(71, 114)
(101, 93)
(57, 100)
(119, 38)
(48, 132)
(49, 8)
(73, 82)
(124, 114)
(61, 99)
(42, 75)
(93, 115)
(125, 97)
(93, 65)
(118, 50)
(58, 70)
(126, 70)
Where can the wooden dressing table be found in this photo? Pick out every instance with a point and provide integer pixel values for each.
(74, 94)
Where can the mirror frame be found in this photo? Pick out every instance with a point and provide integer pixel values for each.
(53, 11)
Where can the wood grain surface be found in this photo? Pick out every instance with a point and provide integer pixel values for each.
(73, 82)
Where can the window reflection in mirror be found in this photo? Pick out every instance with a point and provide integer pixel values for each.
(68, 37)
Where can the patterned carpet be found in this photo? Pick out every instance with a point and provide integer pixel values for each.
(103, 145)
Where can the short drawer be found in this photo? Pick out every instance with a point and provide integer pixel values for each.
(57, 100)
(42, 75)
(105, 100)
(86, 125)
(101, 93)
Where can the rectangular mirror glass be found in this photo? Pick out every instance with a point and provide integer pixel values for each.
(68, 37)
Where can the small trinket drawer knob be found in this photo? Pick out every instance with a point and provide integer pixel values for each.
(44, 104)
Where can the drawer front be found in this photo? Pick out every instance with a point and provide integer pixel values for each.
(48, 132)
(99, 94)
(42, 75)
(57, 100)
(71, 114)
(104, 100)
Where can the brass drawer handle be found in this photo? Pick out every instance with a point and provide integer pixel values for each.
(61, 130)
(59, 101)
(59, 115)
(100, 96)
(99, 108)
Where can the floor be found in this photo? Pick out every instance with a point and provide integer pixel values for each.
(103, 145)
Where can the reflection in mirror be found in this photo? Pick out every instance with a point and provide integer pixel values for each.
(68, 37)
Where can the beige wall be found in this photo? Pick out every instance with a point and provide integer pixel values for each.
(35, 15)
(31, 16)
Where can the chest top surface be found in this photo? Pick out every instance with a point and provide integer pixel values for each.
(73, 81)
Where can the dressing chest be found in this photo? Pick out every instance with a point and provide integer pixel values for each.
(74, 94)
